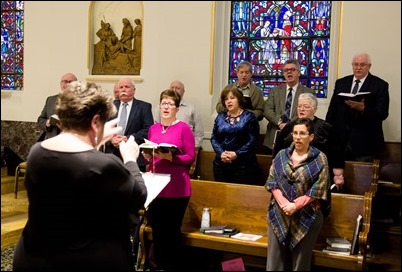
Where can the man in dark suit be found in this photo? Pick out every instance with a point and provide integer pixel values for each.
(50, 130)
(137, 122)
(359, 122)
(275, 107)
(138, 119)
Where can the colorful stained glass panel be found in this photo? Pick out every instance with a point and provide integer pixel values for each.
(12, 45)
(267, 33)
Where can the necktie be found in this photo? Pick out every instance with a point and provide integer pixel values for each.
(356, 87)
(288, 105)
(123, 117)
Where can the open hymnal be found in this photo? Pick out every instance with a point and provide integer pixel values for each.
(356, 96)
(149, 147)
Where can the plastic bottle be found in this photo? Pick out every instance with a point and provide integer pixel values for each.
(206, 218)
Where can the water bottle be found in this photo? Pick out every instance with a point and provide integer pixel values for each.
(205, 219)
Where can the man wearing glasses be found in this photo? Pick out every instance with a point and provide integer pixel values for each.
(50, 128)
(280, 107)
(359, 120)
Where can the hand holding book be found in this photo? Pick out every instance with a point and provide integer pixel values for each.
(355, 97)
(54, 120)
(150, 147)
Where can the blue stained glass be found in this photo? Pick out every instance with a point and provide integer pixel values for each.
(8, 5)
(240, 21)
(12, 45)
(267, 33)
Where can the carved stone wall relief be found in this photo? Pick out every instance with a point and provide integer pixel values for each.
(117, 38)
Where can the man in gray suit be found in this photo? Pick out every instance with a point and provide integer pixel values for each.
(280, 107)
(49, 129)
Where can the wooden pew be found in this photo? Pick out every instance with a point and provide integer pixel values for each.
(245, 207)
(360, 177)
(229, 205)
(390, 169)
(389, 192)
(205, 172)
(341, 223)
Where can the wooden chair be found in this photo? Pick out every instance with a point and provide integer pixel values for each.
(19, 173)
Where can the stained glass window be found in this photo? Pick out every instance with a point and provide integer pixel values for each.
(12, 45)
(267, 33)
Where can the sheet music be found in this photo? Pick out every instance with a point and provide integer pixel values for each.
(155, 184)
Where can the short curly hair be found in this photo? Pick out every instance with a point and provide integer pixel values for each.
(238, 94)
(80, 102)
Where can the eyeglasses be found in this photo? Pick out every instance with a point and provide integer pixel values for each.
(359, 64)
(166, 104)
(302, 134)
(289, 70)
(66, 81)
(304, 107)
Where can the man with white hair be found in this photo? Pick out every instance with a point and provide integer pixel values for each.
(359, 122)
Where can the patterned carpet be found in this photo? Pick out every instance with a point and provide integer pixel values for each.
(7, 258)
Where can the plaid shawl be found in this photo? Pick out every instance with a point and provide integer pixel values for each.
(310, 177)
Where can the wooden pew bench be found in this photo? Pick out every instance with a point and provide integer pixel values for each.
(341, 223)
(229, 205)
(245, 207)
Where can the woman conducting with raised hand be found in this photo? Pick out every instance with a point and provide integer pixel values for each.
(80, 198)
(298, 180)
(234, 139)
(166, 211)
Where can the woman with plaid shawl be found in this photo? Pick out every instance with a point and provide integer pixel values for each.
(298, 180)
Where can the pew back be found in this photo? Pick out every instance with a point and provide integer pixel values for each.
(360, 177)
(341, 223)
(390, 163)
(205, 170)
(240, 206)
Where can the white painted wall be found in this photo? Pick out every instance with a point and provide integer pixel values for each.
(177, 45)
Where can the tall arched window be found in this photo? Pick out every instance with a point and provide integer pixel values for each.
(12, 45)
(267, 33)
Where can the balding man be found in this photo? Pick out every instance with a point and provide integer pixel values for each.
(50, 130)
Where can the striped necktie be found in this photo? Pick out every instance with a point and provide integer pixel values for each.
(288, 104)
